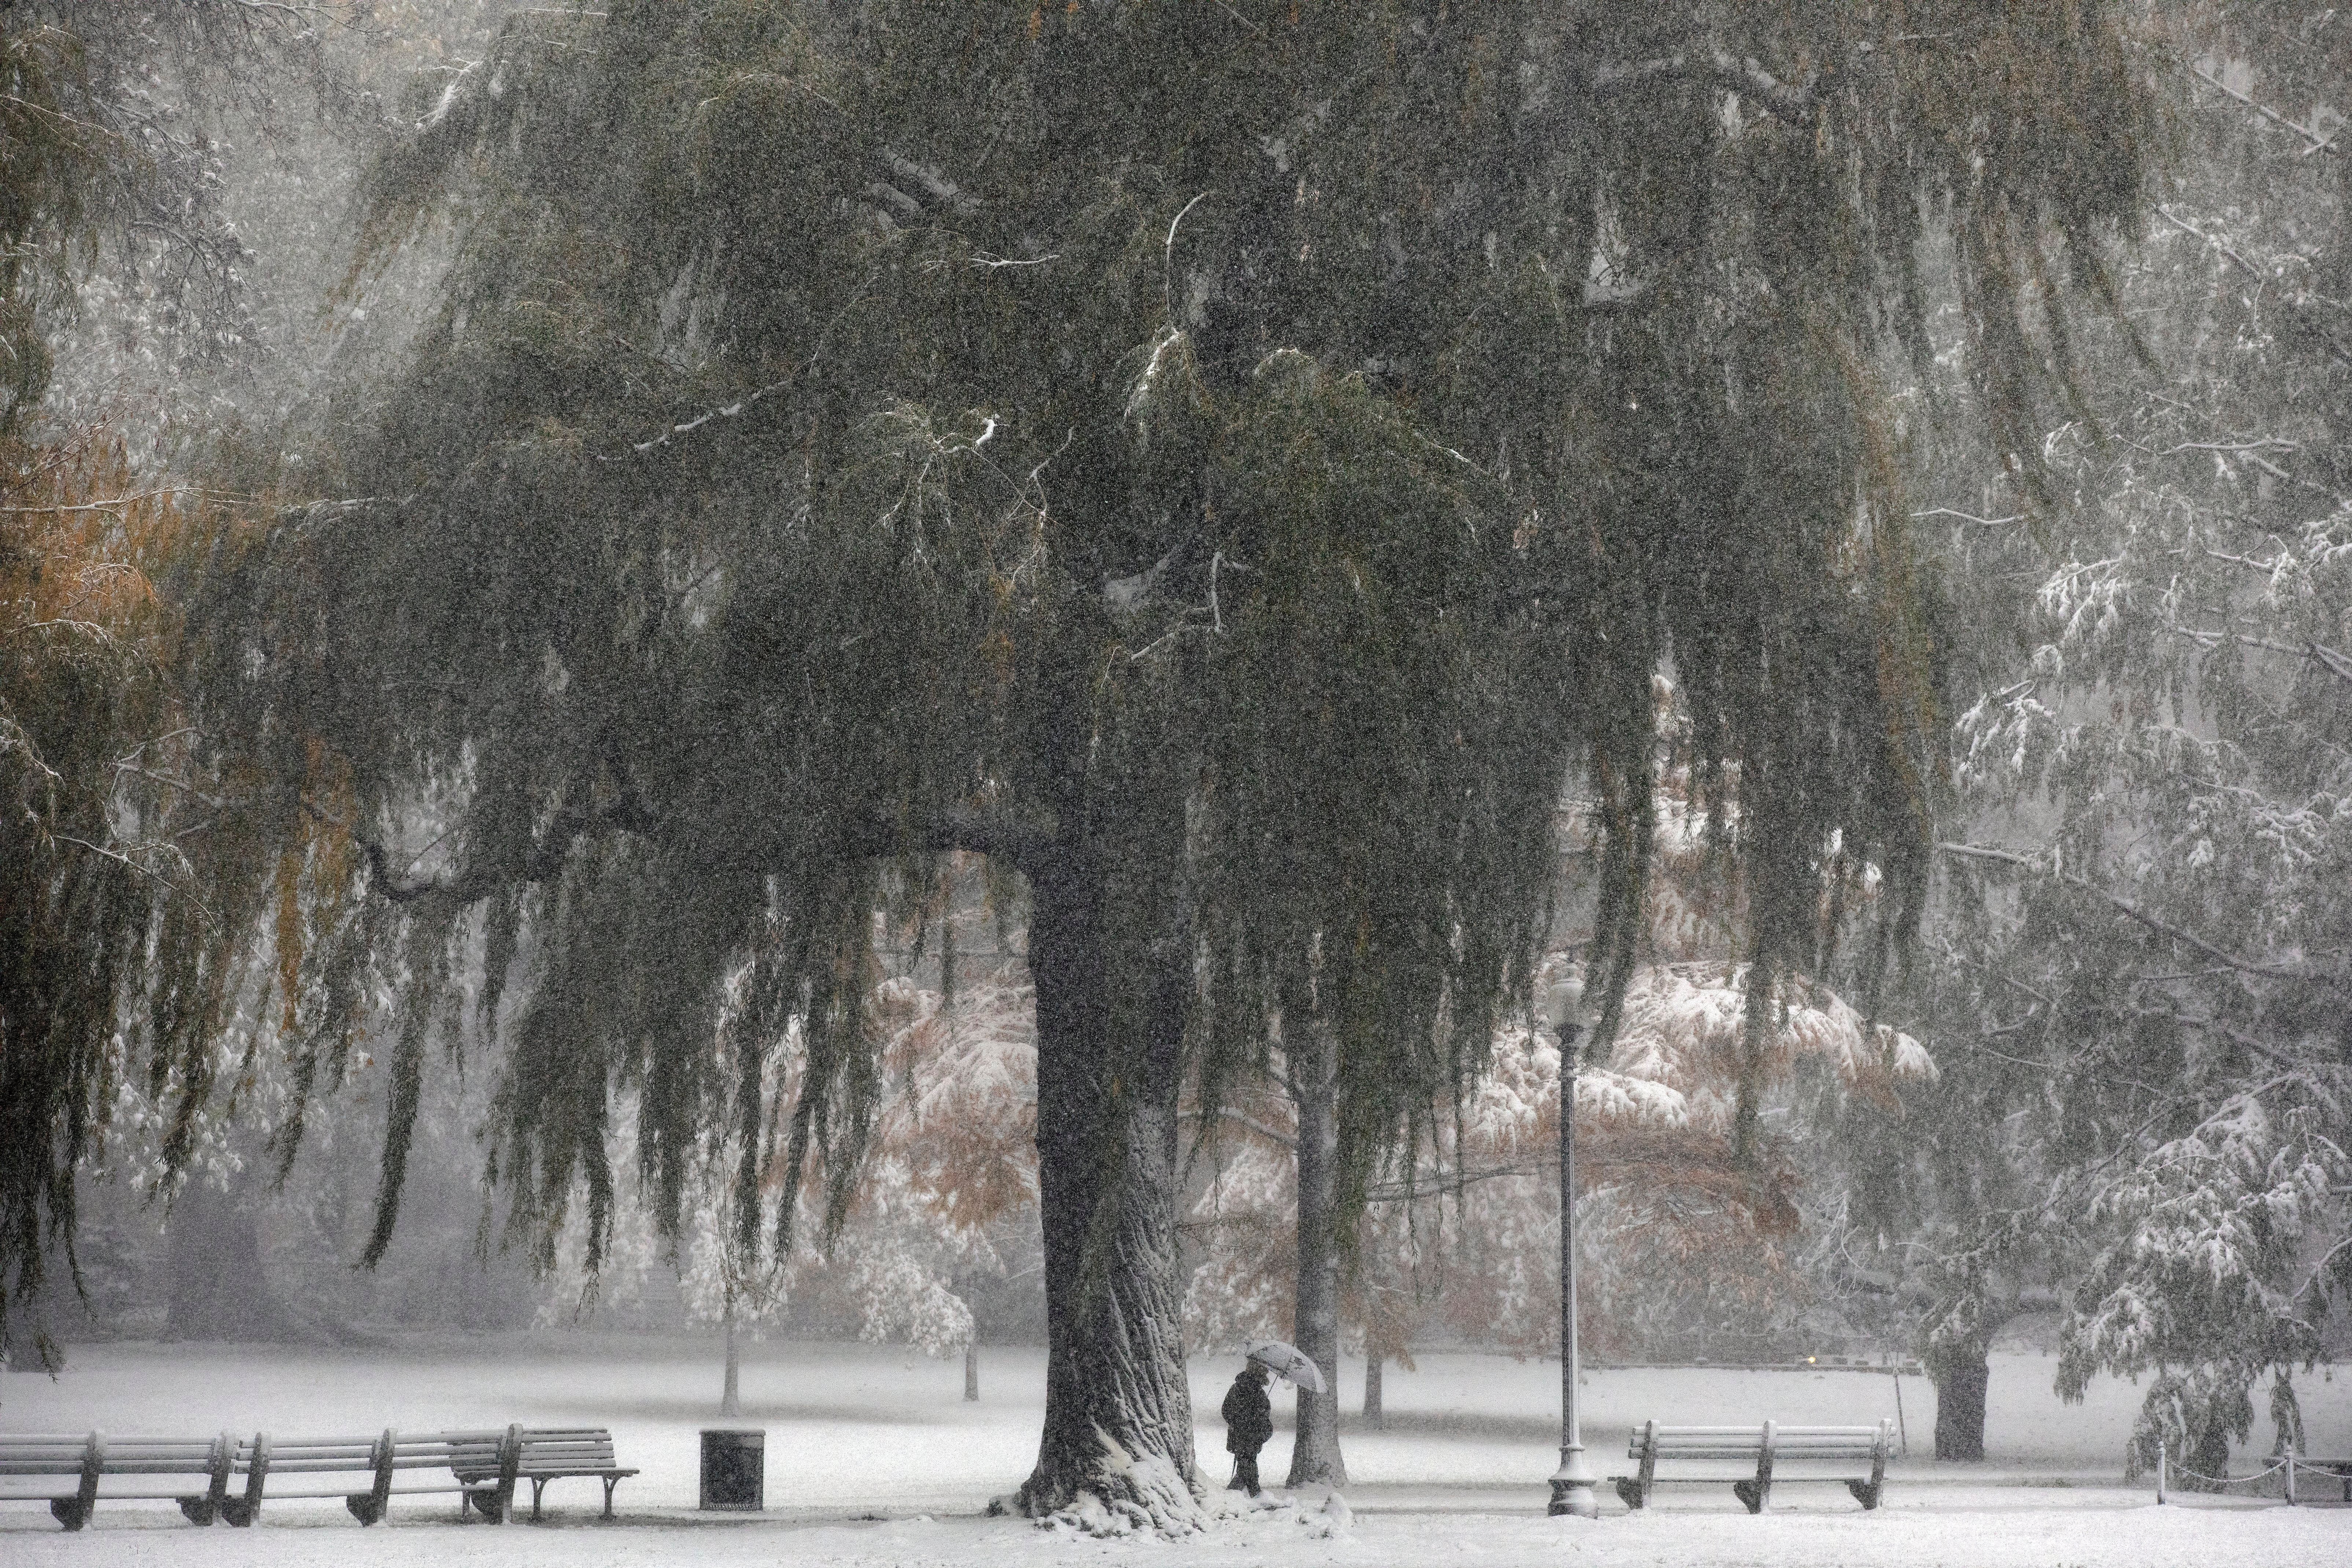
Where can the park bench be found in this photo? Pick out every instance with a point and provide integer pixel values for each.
(553, 1454)
(228, 1477)
(70, 1472)
(480, 1466)
(1762, 1447)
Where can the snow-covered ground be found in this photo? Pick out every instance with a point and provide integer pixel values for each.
(858, 1430)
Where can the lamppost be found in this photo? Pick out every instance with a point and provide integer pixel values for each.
(1571, 1484)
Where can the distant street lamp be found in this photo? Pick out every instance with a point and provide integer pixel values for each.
(1571, 1484)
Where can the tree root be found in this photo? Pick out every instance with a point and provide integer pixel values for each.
(1132, 1496)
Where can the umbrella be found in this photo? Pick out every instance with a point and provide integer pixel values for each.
(1289, 1362)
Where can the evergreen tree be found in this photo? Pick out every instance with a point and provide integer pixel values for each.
(2143, 972)
(1225, 464)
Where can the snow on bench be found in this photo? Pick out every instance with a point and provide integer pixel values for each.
(69, 1471)
(229, 1477)
(483, 1468)
(474, 1464)
(553, 1454)
(1761, 1447)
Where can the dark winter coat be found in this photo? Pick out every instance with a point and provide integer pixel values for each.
(1249, 1416)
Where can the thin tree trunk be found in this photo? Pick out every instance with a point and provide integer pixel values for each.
(972, 1369)
(1374, 1417)
(1315, 1459)
(1119, 1411)
(2209, 1454)
(730, 1399)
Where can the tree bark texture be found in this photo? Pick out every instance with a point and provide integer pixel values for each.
(1960, 1380)
(1315, 1459)
(1108, 1068)
(1374, 1417)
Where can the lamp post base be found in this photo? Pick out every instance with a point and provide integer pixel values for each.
(1571, 1487)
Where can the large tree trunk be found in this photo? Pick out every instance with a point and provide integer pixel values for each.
(1119, 1411)
(1315, 1457)
(1961, 1375)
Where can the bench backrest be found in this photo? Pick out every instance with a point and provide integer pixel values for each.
(42, 1454)
(1748, 1442)
(411, 1450)
(560, 1451)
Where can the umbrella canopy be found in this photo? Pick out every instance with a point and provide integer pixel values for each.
(1288, 1361)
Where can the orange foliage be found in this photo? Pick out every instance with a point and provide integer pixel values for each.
(81, 536)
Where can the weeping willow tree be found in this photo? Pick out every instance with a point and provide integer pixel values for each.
(112, 919)
(1227, 464)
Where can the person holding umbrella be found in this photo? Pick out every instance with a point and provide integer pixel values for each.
(1249, 1423)
(1249, 1414)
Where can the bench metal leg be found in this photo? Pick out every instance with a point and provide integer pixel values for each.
(537, 1489)
(1635, 1489)
(73, 1512)
(509, 1463)
(1867, 1492)
(1756, 1493)
(241, 1512)
(198, 1510)
(610, 1482)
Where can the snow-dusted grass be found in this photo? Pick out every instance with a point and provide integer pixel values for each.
(859, 1429)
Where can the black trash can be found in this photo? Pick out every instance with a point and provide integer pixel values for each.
(734, 1466)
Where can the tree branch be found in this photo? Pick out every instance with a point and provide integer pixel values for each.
(1741, 71)
(1224, 1114)
(2335, 662)
(942, 192)
(2167, 215)
(2132, 912)
(1436, 1182)
(477, 883)
(2318, 143)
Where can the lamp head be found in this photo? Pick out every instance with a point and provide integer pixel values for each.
(1562, 1002)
